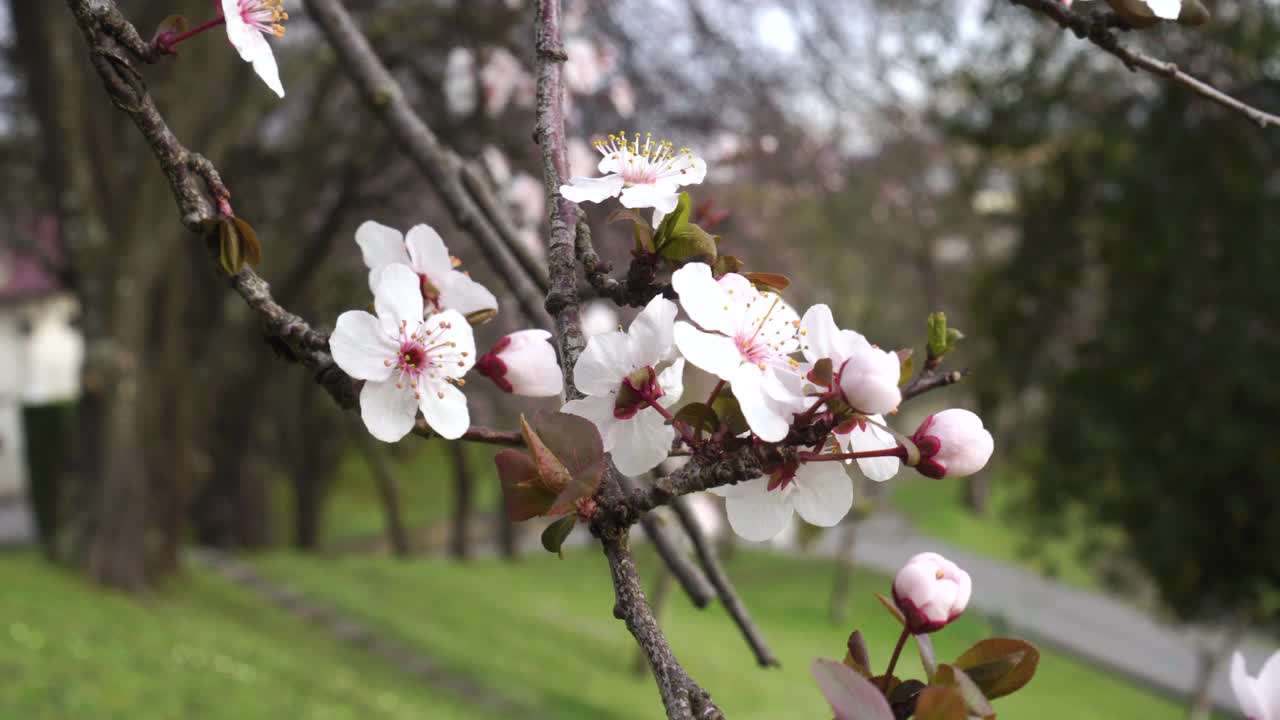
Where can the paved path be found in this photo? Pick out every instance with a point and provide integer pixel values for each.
(17, 527)
(1099, 629)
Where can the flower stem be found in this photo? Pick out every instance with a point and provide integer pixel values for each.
(893, 661)
(897, 451)
(715, 393)
(170, 43)
(680, 427)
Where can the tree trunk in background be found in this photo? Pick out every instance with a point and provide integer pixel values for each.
(387, 492)
(460, 535)
(508, 534)
(840, 584)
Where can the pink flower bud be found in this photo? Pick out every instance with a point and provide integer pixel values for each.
(523, 363)
(869, 380)
(952, 444)
(931, 591)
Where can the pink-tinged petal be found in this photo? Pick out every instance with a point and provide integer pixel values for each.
(361, 347)
(599, 410)
(671, 381)
(428, 254)
(763, 417)
(459, 292)
(585, 189)
(661, 199)
(388, 411)
(380, 246)
(716, 354)
(1246, 690)
(532, 369)
(398, 299)
(651, 332)
(1268, 687)
(604, 363)
(254, 49)
(966, 445)
(1165, 9)
(642, 442)
(445, 409)
(823, 493)
(706, 302)
(818, 332)
(759, 515)
(869, 380)
(769, 319)
(783, 385)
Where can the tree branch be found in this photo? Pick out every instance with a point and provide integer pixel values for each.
(682, 698)
(1098, 30)
(724, 587)
(445, 170)
(931, 380)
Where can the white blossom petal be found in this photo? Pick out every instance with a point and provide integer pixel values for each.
(604, 363)
(763, 417)
(388, 411)
(252, 47)
(1268, 686)
(671, 381)
(361, 347)
(1165, 9)
(663, 199)
(1246, 689)
(599, 410)
(651, 332)
(531, 363)
(641, 442)
(823, 493)
(459, 292)
(585, 189)
(428, 254)
(379, 246)
(705, 301)
(872, 438)
(758, 515)
(445, 409)
(716, 354)
(398, 299)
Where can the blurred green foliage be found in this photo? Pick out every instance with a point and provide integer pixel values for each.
(1138, 311)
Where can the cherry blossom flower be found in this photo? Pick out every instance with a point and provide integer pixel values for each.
(523, 363)
(866, 375)
(747, 338)
(1259, 697)
(626, 397)
(931, 591)
(646, 174)
(408, 363)
(759, 509)
(248, 24)
(442, 287)
(952, 444)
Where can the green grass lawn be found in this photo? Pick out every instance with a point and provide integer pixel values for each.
(937, 508)
(199, 649)
(424, 477)
(541, 632)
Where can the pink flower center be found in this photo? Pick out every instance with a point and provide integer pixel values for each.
(639, 390)
(425, 352)
(265, 16)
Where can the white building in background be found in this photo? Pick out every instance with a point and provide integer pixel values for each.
(41, 350)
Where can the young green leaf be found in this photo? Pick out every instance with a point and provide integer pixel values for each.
(554, 535)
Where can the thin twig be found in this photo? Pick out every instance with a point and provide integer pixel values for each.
(444, 169)
(931, 380)
(691, 579)
(724, 587)
(1098, 30)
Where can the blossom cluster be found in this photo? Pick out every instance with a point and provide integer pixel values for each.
(788, 375)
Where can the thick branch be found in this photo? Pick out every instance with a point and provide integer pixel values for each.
(724, 588)
(446, 172)
(1097, 30)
